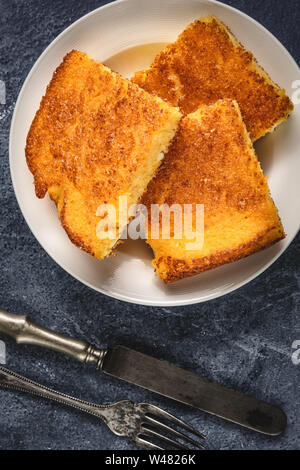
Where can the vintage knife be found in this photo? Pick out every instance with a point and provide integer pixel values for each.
(155, 375)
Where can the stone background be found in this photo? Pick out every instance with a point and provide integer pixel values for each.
(243, 340)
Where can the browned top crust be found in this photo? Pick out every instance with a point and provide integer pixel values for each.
(211, 161)
(90, 138)
(207, 63)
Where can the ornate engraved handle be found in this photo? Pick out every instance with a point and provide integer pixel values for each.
(23, 330)
(117, 417)
(11, 380)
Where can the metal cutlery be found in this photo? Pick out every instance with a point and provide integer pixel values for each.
(146, 425)
(155, 375)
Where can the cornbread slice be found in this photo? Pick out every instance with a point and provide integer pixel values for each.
(212, 162)
(96, 136)
(207, 63)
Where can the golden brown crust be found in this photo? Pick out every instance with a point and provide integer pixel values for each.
(211, 161)
(172, 269)
(207, 63)
(92, 135)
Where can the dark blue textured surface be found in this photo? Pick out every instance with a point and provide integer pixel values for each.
(243, 340)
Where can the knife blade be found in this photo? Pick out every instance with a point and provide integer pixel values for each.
(155, 375)
(194, 390)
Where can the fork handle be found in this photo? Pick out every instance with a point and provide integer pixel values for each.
(23, 330)
(11, 380)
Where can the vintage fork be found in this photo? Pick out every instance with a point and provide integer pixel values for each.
(146, 425)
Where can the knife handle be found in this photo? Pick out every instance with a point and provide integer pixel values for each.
(23, 330)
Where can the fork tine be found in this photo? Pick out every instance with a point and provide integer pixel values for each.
(146, 444)
(163, 426)
(150, 433)
(155, 410)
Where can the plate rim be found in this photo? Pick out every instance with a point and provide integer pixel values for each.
(111, 293)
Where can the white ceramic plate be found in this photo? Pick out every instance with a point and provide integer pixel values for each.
(126, 35)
